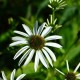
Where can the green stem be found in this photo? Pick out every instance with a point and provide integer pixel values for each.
(48, 75)
(53, 15)
(21, 70)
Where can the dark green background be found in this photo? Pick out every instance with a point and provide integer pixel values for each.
(15, 12)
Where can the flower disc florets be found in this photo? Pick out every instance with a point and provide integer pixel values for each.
(36, 42)
(70, 76)
(54, 4)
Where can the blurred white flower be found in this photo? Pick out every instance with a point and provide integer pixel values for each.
(12, 76)
(56, 4)
(36, 43)
(70, 75)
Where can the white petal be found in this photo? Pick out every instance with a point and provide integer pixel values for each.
(53, 37)
(46, 31)
(29, 57)
(67, 65)
(77, 68)
(57, 0)
(51, 21)
(13, 74)
(50, 53)
(23, 57)
(21, 76)
(20, 52)
(55, 21)
(18, 43)
(21, 33)
(47, 56)
(60, 1)
(3, 75)
(60, 71)
(27, 29)
(78, 75)
(41, 28)
(35, 27)
(18, 38)
(50, 6)
(48, 21)
(36, 61)
(53, 44)
(42, 59)
(62, 4)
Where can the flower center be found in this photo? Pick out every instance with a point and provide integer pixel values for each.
(54, 4)
(70, 76)
(36, 42)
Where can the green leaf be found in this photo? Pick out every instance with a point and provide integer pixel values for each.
(73, 52)
(28, 23)
(28, 69)
(68, 14)
(41, 6)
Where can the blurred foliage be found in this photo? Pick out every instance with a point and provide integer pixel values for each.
(15, 12)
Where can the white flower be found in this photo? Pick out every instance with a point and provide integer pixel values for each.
(35, 43)
(56, 4)
(70, 75)
(12, 76)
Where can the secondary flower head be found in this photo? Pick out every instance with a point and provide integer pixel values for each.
(52, 22)
(35, 43)
(56, 4)
(71, 75)
(12, 76)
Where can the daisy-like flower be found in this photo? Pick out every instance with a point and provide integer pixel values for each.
(70, 75)
(35, 43)
(56, 4)
(12, 76)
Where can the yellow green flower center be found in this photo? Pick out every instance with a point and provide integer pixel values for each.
(70, 76)
(36, 42)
